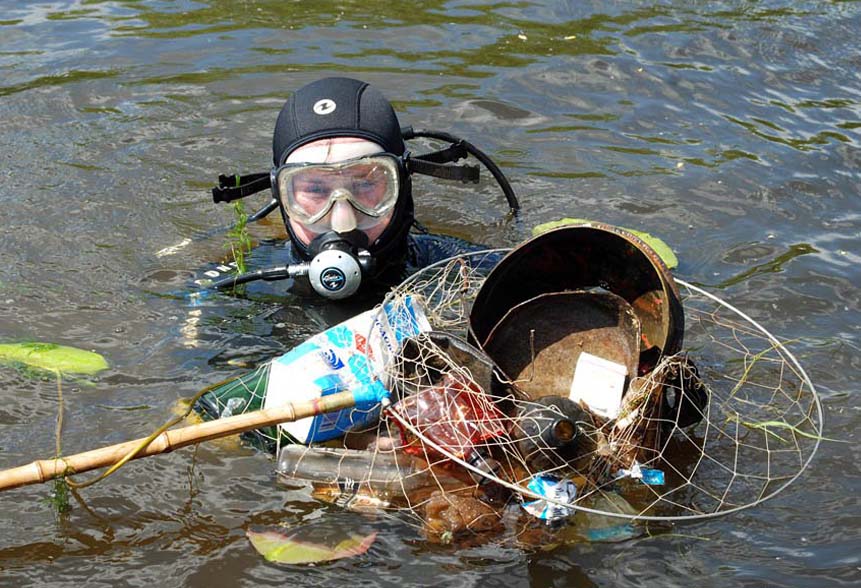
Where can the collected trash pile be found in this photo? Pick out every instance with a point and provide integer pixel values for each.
(548, 394)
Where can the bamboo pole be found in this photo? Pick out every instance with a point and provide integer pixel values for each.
(47, 469)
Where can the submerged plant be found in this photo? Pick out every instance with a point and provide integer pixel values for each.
(238, 240)
(58, 499)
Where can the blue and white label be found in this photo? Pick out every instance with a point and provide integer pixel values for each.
(556, 490)
(648, 476)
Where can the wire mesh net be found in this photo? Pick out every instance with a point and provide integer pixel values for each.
(722, 426)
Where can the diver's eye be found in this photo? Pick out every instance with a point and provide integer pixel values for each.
(365, 186)
(311, 188)
(317, 188)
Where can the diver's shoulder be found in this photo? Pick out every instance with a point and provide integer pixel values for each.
(427, 248)
(456, 244)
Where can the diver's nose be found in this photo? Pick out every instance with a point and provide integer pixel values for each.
(343, 217)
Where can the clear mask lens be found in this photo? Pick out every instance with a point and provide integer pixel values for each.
(368, 184)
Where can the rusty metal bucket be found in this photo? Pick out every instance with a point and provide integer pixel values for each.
(538, 342)
(590, 257)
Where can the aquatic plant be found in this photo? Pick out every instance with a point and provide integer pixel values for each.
(53, 357)
(238, 239)
(43, 358)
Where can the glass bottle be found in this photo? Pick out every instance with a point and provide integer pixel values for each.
(552, 432)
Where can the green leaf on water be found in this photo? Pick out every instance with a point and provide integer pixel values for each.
(661, 248)
(53, 357)
(279, 548)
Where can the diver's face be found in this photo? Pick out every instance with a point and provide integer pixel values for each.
(343, 217)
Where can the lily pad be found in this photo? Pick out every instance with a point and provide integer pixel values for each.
(661, 248)
(280, 548)
(53, 357)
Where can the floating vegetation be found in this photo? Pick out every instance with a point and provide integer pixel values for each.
(293, 549)
(53, 357)
(766, 425)
(37, 359)
(661, 248)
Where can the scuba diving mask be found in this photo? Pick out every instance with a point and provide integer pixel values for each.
(310, 191)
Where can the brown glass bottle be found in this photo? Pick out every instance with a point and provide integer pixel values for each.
(552, 432)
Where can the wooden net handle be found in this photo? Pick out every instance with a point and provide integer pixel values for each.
(47, 469)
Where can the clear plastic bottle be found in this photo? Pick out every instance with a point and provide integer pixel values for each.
(459, 418)
(385, 477)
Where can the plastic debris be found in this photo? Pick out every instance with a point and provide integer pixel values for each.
(648, 476)
(556, 489)
(612, 534)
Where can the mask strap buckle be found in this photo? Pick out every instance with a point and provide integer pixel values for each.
(450, 154)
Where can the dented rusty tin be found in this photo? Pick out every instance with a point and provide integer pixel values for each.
(591, 256)
(538, 342)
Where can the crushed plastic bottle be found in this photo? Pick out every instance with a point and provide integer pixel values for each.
(457, 417)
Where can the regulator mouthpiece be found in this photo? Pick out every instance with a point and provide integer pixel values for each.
(335, 272)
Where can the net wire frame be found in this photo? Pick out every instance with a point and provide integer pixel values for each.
(759, 429)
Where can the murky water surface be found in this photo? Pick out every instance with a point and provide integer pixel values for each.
(731, 129)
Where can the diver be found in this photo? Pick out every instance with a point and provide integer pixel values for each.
(341, 178)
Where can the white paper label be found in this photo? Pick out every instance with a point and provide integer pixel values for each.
(598, 383)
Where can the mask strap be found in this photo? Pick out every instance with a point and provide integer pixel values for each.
(234, 187)
(464, 173)
(410, 133)
(450, 154)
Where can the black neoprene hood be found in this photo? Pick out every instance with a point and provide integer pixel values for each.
(336, 107)
(344, 107)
